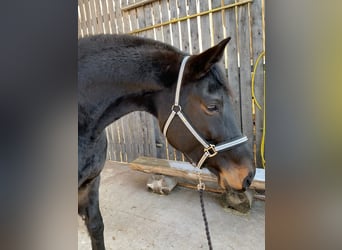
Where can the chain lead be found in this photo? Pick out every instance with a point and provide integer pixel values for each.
(200, 185)
(201, 188)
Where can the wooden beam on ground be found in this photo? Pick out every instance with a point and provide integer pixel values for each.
(186, 171)
(186, 175)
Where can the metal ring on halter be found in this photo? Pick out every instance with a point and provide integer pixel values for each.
(211, 150)
(175, 106)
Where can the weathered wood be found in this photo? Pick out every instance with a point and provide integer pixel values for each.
(80, 14)
(118, 17)
(165, 17)
(258, 48)
(132, 13)
(93, 17)
(105, 16)
(186, 175)
(99, 17)
(174, 27)
(157, 19)
(125, 19)
(184, 33)
(132, 6)
(113, 20)
(218, 26)
(245, 73)
(89, 21)
(148, 20)
(232, 59)
(123, 132)
(185, 170)
(243, 23)
(194, 28)
(205, 26)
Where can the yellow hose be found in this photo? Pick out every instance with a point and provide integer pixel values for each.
(262, 144)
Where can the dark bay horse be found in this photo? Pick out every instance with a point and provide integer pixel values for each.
(189, 95)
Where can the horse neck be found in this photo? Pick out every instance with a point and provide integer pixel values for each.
(134, 88)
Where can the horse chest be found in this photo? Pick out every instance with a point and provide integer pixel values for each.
(91, 157)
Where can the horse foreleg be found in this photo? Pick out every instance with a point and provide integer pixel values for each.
(90, 211)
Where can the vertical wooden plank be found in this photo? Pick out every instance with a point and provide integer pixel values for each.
(176, 42)
(159, 140)
(195, 47)
(111, 143)
(245, 73)
(148, 20)
(133, 16)
(111, 9)
(111, 149)
(156, 20)
(85, 19)
(123, 134)
(184, 26)
(218, 26)
(99, 17)
(141, 20)
(205, 26)
(131, 121)
(152, 130)
(167, 39)
(118, 16)
(91, 30)
(79, 33)
(165, 18)
(175, 26)
(150, 136)
(115, 137)
(159, 149)
(109, 146)
(257, 42)
(142, 136)
(139, 135)
(105, 15)
(93, 17)
(125, 18)
(232, 59)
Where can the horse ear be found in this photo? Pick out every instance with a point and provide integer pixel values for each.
(200, 64)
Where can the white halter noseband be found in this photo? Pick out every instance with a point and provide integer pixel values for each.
(210, 150)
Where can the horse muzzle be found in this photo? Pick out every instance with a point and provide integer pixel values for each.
(238, 177)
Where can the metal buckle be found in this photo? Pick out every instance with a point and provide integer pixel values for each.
(176, 108)
(200, 185)
(211, 150)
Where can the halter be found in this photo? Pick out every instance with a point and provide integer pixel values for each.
(210, 150)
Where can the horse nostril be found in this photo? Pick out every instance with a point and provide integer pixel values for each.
(248, 180)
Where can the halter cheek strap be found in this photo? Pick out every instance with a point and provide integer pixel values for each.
(210, 150)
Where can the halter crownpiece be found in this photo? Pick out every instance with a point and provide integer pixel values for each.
(210, 150)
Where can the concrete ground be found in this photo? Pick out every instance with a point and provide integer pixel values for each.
(135, 218)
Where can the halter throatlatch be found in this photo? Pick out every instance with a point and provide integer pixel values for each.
(210, 150)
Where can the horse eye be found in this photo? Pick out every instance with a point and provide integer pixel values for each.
(212, 108)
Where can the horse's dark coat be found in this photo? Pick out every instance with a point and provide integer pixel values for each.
(118, 74)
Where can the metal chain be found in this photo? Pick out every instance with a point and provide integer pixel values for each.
(205, 220)
(201, 188)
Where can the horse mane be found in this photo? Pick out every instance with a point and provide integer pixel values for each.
(97, 43)
(154, 51)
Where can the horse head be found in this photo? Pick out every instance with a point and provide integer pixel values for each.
(198, 119)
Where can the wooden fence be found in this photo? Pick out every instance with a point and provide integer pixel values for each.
(192, 26)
